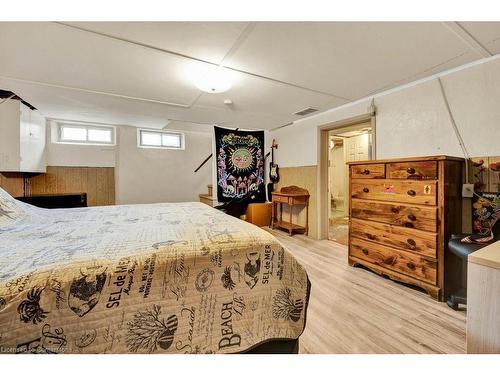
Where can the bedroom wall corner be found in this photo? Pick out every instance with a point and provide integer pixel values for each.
(148, 175)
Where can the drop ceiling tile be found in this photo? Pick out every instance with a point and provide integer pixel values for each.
(208, 41)
(348, 59)
(58, 103)
(56, 54)
(486, 33)
(251, 94)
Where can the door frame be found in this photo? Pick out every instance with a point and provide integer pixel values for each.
(323, 146)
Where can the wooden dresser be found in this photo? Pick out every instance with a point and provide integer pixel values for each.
(402, 212)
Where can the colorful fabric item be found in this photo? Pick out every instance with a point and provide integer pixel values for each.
(485, 215)
(240, 164)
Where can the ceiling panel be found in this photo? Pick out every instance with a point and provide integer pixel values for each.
(262, 96)
(67, 104)
(49, 52)
(348, 59)
(208, 41)
(486, 33)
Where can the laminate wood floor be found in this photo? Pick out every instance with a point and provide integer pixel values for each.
(352, 310)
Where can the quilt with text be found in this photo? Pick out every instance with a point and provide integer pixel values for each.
(158, 278)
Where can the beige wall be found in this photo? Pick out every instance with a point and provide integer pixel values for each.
(67, 155)
(143, 175)
(304, 177)
(146, 175)
(412, 120)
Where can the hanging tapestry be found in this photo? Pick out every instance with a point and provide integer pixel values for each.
(485, 212)
(240, 164)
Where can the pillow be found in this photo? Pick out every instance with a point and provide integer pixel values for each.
(10, 210)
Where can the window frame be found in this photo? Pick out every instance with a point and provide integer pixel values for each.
(181, 135)
(87, 127)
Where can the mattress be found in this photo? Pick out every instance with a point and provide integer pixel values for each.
(155, 278)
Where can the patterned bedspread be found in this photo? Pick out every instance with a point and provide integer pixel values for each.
(159, 278)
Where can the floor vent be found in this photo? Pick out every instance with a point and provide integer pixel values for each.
(306, 111)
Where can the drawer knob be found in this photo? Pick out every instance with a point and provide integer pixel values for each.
(366, 190)
(365, 171)
(370, 236)
(389, 261)
(395, 210)
(412, 193)
(412, 217)
(364, 251)
(408, 225)
(410, 265)
(411, 243)
(410, 170)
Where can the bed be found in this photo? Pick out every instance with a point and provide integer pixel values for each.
(152, 278)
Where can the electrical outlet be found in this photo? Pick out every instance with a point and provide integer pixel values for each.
(467, 190)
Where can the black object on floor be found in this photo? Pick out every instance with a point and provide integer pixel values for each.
(276, 347)
(238, 206)
(461, 251)
(69, 200)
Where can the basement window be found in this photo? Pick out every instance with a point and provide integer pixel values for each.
(86, 134)
(160, 139)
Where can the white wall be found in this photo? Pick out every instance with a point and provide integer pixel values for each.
(146, 175)
(10, 149)
(32, 140)
(142, 175)
(67, 155)
(413, 121)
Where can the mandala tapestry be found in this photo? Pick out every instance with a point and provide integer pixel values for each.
(240, 164)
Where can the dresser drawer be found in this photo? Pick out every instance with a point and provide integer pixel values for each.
(368, 171)
(424, 218)
(401, 261)
(415, 170)
(412, 240)
(417, 192)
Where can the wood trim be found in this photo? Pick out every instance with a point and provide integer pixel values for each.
(322, 180)
(351, 121)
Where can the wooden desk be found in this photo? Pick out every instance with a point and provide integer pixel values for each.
(483, 300)
(291, 196)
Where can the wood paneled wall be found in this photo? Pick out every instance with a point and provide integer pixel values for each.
(304, 177)
(485, 179)
(97, 182)
(12, 183)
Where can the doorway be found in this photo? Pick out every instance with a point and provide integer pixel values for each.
(352, 141)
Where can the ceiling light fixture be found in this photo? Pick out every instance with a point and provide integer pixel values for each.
(213, 79)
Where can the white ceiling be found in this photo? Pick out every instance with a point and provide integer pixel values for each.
(136, 73)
